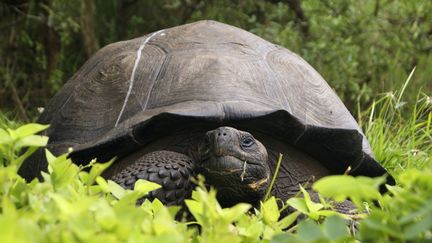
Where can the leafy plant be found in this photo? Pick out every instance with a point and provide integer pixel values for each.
(75, 204)
(405, 213)
(12, 141)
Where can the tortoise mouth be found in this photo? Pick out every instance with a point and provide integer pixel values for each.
(235, 180)
(229, 171)
(226, 164)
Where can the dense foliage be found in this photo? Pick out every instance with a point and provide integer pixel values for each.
(362, 48)
(75, 204)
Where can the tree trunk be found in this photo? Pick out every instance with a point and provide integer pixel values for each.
(51, 39)
(87, 20)
(52, 48)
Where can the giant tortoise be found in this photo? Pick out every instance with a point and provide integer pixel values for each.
(205, 98)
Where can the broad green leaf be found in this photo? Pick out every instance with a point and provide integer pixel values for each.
(144, 186)
(96, 170)
(253, 228)
(424, 210)
(328, 213)
(29, 129)
(5, 138)
(12, 133)
(195, 208)
(309, 231)
(416, 229)
(157, 205)
(233, 213)
(298, 204)
(288, 220)
(49, 156)
(31, 141)
(312, 206)
(381, 222)
(19, 189)
(8, 207)
(335, 228)
(103, 184)
(62, 203)
(270, 211)
(116, 189)
(62, 171)
(285, 238)
(361, 188)
(18, 161)
(174, 210)
(105, 215)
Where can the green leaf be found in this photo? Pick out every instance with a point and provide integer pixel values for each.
(288, 220)
(335, 228)
(95, 171)
(19, 189)
(423, 211)
(103, 184)
(144, 186)
(416, 229)
(328, 213)
(49, 156)
(116, 189)
(29, 129)
(31, 141)
(105, 215)
(18, 161)
(63, 204)
(233, 213)
(5, 138)
(381, 223)
(285, 238)
(12, 133)
(309, 231)
(62, 170)
(298, 204)
(312, 206)
(270, 211)
(356, 188)
(196, 209)
(157, 205)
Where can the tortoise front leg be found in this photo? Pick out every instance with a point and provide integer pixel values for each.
(169, 169)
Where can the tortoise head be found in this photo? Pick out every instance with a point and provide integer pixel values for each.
(235, 163)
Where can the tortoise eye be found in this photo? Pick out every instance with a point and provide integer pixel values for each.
(247, 142)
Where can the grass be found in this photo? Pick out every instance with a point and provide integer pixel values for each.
(400, 133)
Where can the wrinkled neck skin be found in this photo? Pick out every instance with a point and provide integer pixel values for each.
(296, 168)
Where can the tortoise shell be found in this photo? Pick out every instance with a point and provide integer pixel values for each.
(131, 92)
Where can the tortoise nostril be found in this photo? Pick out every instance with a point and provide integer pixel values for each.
(219, 134)
(224, 134)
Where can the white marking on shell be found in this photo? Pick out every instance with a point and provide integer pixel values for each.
(132, 77)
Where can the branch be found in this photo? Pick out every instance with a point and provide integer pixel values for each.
(27, 15)
(15, 95)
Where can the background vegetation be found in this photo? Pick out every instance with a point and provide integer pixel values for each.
(375, 53)
(75, 204)
(362, 48)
